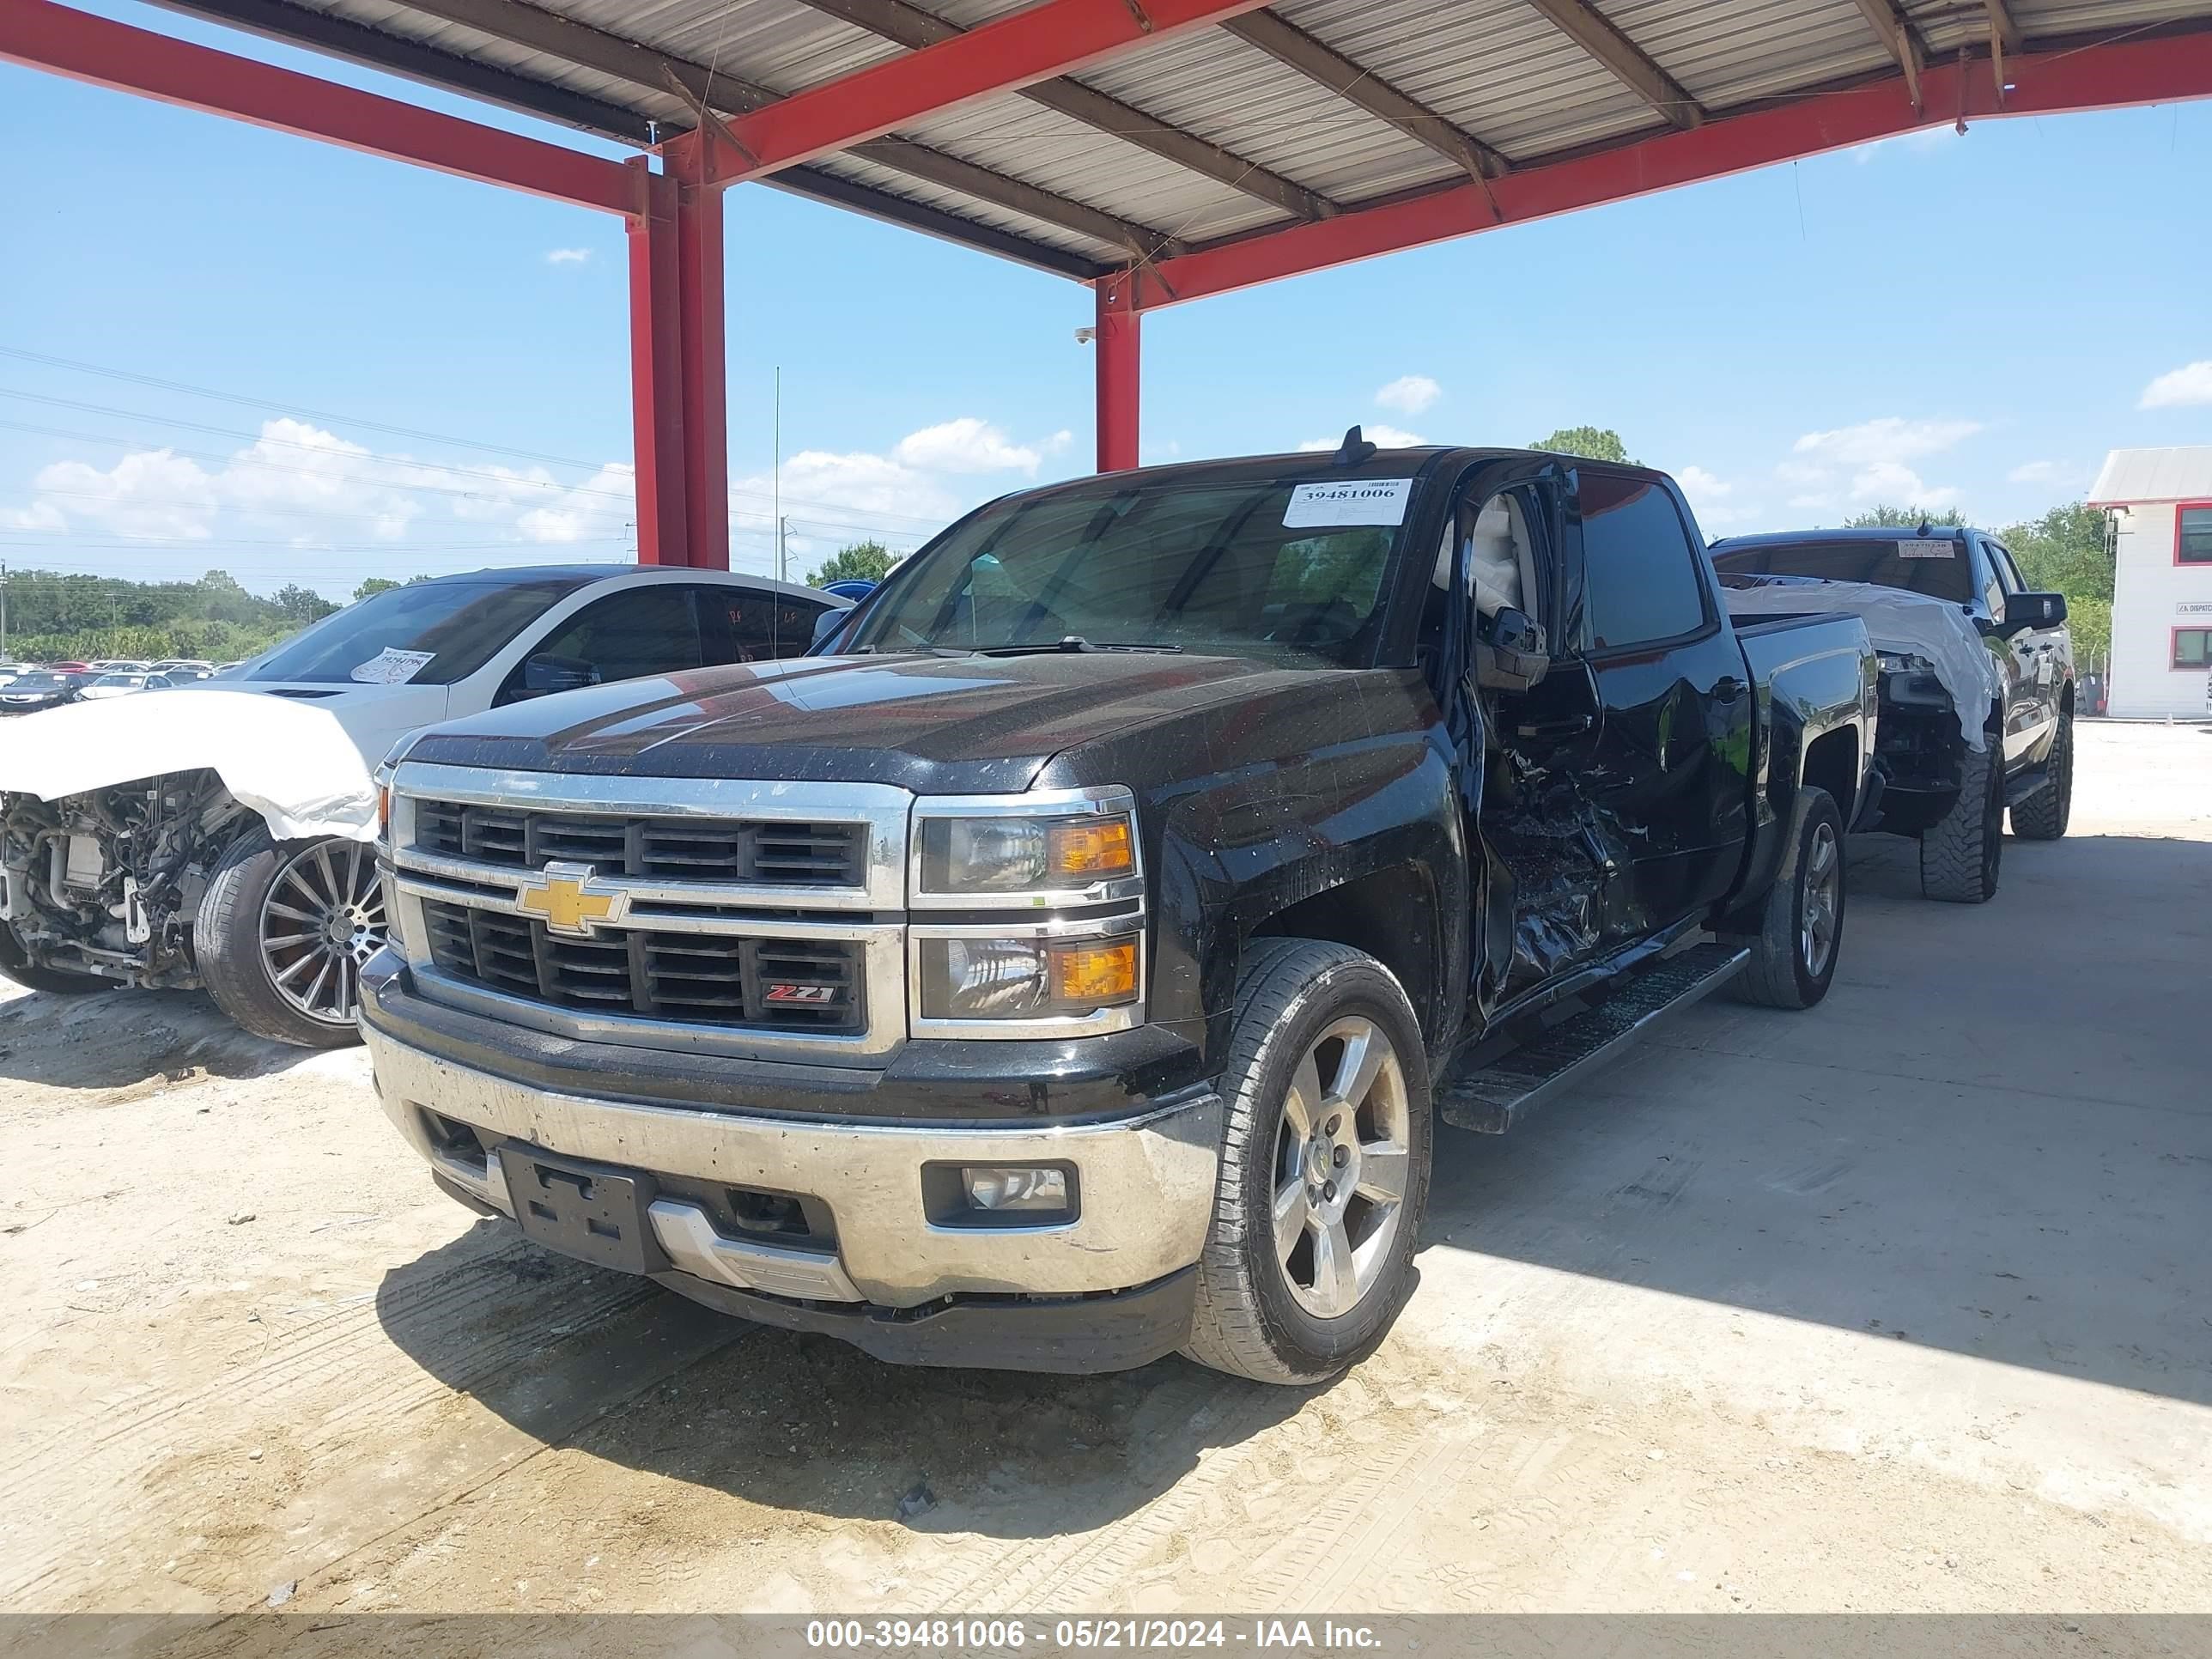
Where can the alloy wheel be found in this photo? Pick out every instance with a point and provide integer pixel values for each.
(1824, 867)
(323, 919)
(1340, 1167)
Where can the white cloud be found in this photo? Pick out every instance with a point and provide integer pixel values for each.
(2036, 472)
(1895, 482)
(1876, 453)
(1409, 394)
(567, 256)
(1385, 437)
(1891, 438)
(968, 444)
(600, 507)
(39, 515)
(2181, 388)
(1701, 486)
(149, 493)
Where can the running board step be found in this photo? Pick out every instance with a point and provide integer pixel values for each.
(2018, 787)
(1491, 1099)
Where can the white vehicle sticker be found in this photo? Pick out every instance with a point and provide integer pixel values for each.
(1920, 549)
(391, 666)
(1354, 501)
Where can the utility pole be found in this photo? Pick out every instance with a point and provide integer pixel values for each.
(782, 530)
(4, 613)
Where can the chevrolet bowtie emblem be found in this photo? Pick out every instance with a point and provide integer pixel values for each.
(568, 898)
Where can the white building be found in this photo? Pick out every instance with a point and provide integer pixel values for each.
(2160, 501)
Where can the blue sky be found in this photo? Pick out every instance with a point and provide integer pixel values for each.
(1970, 320)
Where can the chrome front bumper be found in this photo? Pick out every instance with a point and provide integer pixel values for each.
(1146, 1186)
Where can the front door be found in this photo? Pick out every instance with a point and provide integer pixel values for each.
(2031, 663)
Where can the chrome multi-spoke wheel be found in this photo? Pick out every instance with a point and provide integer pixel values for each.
(1324, 1166)
(1340, 1160)
(323, 918)
(1824, 880)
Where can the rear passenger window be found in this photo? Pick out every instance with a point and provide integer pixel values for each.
(1641, 582)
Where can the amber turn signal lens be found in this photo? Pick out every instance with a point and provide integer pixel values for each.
(1093, 850)
(384, 811)
(1094, 975)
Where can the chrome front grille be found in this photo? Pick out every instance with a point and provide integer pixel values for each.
(702, 914)
(772, 852)
(786, 984)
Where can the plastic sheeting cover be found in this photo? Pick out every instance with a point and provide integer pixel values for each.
(1896, 620)
(292, 762)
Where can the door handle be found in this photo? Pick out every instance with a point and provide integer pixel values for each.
(1565, 728)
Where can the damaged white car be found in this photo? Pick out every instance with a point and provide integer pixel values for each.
(219, 835)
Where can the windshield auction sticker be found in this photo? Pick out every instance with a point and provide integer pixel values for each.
(1921, 550)
(1352, 502)
(391, 666)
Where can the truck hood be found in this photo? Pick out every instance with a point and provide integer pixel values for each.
(932, 725)
(301, 756)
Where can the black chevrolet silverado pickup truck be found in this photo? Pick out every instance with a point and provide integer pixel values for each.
(1947, 794)
(1067, 967)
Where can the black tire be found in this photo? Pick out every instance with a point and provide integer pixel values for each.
(1793, 957)
(2043, 816)
(16, 963)
(1961, 855)
(227, 942)
(1254, 1317)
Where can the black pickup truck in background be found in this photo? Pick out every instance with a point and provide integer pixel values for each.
(1067, 967)
(1949, 796)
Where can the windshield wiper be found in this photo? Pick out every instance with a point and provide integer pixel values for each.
(1072, 643)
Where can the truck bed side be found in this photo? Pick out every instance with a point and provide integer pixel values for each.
(1814, 685)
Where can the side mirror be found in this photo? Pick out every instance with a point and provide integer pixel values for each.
(828, 622)
(545, 673)
(2027, 611)
(1509, 652)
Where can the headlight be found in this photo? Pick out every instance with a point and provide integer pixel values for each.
(1027, 978)
(1903, 662)
(1077, 847)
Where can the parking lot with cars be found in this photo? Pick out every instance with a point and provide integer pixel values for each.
(1898, 1305)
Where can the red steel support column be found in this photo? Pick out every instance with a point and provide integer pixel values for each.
(656, 370)
(706, 377)
(1120, 372)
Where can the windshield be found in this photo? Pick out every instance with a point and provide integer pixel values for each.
(1238, 567)
(1936, 566)
(429, 633)
(121, 680)
(38, 682)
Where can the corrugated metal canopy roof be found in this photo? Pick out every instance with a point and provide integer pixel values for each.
(2178, 474)
(1267, 120)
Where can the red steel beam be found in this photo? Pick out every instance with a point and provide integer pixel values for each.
(1046, 42)
(656, 372)
(103, 53)
(2131, 72)
(706, 389)
(1120, 369)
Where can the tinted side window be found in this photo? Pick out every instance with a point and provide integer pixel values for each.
(2008, 577)
(1640, 578)
(647, 630)
(762, 627)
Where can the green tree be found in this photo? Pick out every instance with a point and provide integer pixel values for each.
(373, 585)
(1886, 517)
(2066, 551)
(869, 561)
(301, 605)
(1592, 443)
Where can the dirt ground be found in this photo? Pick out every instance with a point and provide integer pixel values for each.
(1898, 1305)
